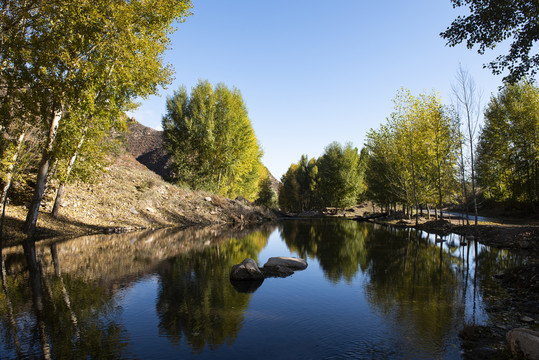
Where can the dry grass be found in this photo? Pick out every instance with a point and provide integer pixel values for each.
(129, 196)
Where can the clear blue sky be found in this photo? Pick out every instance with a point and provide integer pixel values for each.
(313, 72)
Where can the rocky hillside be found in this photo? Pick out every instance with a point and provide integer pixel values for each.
(146, 145)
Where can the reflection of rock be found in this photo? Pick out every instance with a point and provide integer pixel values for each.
(247, 270)
(524, 343)
(277, 271)
(289, 262)
(246, 286)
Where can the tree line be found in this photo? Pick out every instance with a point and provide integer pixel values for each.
(428, 155)
(335, 179)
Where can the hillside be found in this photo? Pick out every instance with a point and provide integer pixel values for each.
(129, 196)
(146, 146)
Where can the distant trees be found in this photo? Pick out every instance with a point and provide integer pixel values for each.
(494, 21)
(266, 195)
(508, 149)
(212, 143)
(334, 179)
(411, 160)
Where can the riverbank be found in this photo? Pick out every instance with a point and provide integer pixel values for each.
(127, 197)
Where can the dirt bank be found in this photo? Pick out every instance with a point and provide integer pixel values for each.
(129, 197)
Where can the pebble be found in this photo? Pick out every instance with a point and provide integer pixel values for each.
(526, 319)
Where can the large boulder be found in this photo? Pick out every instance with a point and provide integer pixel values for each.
(524, 343)
(289, 262)
(247, 270)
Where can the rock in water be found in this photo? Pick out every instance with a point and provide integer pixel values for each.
(289, 262)
(524, 343)
(247, 270)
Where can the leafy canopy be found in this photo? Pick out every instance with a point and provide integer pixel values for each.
(212, 143)
(494, 21)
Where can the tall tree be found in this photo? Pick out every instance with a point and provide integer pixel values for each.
(491, 22)
(212, 142)
(340, 178)
(72, 49)
(468, 107)
(508, 155)
(411, 159)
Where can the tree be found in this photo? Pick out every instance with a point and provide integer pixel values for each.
(335, 179)
(411, 159)
(266, 195)
(65, 51)
(299, 186)
(340, 178)
(468, 107)
(211, 141)
(508, 155)
(494, 21)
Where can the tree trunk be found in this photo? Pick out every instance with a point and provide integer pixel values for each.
(7, 186)
(10, 169)
(413, 182)
(43, 172)
(60, 192)
(473, 178)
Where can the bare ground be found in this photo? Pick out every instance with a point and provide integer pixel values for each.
(129, 197)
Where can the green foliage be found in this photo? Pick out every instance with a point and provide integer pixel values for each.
(334, 179)
(266, 196)
(508, 149)
(339, 173)
(412, 158)
(212, 142)
(80, 58)
(494, 21)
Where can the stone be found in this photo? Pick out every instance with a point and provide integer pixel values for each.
(133, 210)
(149, 209)
(289, 262)
(247, 270)
(207, 198)
(524, 343)
(526, 319)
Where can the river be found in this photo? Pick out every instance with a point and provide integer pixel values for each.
(369, 291)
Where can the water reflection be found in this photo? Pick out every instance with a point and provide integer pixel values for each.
(424, 285)
(337, 245)
(68, 299)
(195, 298)
(75, 312)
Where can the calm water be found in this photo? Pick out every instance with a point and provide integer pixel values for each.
(369, 292)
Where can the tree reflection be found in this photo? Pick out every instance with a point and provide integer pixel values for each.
(196, 300)
(69, 318)
(338, 245)
(409, 279)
